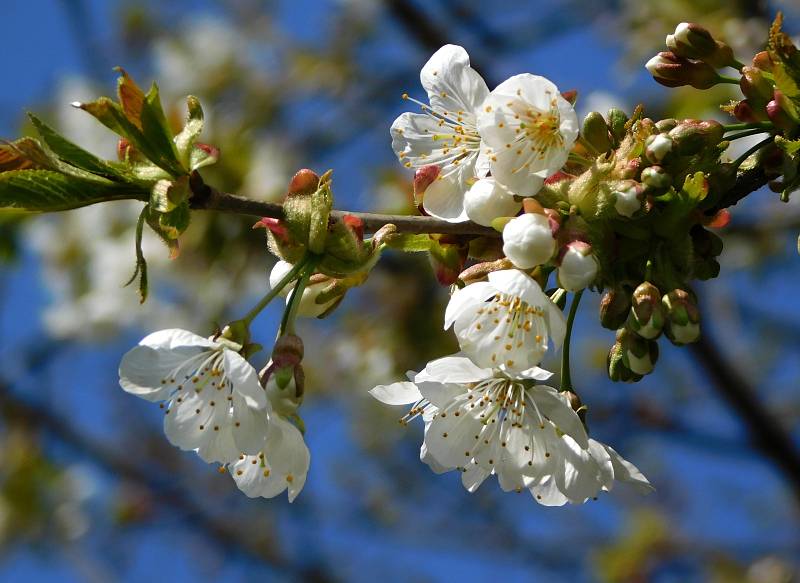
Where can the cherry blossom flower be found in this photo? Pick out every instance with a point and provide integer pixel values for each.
(214, 403)
(445, 134)
(528, 129)
(505, 322)
(483, 421)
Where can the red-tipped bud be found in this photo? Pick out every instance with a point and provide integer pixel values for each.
(571, 95)
(614, 307)
(646, 315)
(778, 115)
(423, 178)
(355, 224)
(448, 259)
(745, 112)
(124, 149)
(755, 86)
(288, 351)
(692, 41)
(275, 226)
(305, 181)
(683, 317)
(670, 70)
(763, 61)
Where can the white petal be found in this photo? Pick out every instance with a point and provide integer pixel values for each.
(440, 394)
(473, 476)
(518, 283)
(250, 426)
(625, 471)
(397, 393)
(556, 407)
(203, 422)
(244, 379)
(145, 371)
(556, 324)
(453, 369)
(535, 373)
(546, 493)
(426, 457)
(444, 198)
(284, 464)
(579, 478)
(451, 83)
(279, 271)
(467, 298)
(174, 337)
(451, 437)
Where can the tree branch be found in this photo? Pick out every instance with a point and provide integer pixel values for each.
(208, 198)
(766, 433)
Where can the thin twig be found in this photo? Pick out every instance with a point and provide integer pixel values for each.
(766, 433)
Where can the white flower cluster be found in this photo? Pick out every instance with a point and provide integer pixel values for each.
(487, 150)
(485, 411)
(215, 405)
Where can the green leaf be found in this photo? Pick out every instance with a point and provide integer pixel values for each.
(45, 190)
(157, 132)
(410, 243)
(74, 154)
(790, 147)
(23, 154)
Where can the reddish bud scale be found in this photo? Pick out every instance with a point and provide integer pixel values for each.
(355, 224)
(275, 226)
(288, 351)
(305, 181)
(423, 178)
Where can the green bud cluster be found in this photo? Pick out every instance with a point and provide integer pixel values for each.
(635, 351)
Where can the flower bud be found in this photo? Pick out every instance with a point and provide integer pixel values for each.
(284, 387)
(664, 125)
(447, 256)
(695, 42)
(614, 307)
(647, 314)
(288, 351)
(423, 178)
(755, 86)
(528, 240)
(638, 354)
(616, 123)
(657, 147)
(763, 61)
(595, 131)
(578, 267)
(615, 365)
(683, 317)
(691, 136)
(304, 181)
(656, 180)
(778, 112)
(628, 200)
(745, 112)
(308, 308)
(670, 70)
(487, 200)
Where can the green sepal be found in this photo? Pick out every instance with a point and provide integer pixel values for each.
(167, 195)
(185, 140)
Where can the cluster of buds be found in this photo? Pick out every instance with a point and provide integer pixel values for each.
(693, 58)
(763, 100)
(640, 318)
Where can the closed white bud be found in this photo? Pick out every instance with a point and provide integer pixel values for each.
(627, 202)
(308, 307)
(528, 240)
(578, 267)
(487, 200)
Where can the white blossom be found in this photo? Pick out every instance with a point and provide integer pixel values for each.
(528, 129)
(214, 401)
(483, 421)
(505, 322)
(578, 267)
(487, 200)
(528, 240)
(446, 133)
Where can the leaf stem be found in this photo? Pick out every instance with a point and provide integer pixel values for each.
(750, 151)
(766, 125)
(290, 313)
(566, 378)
